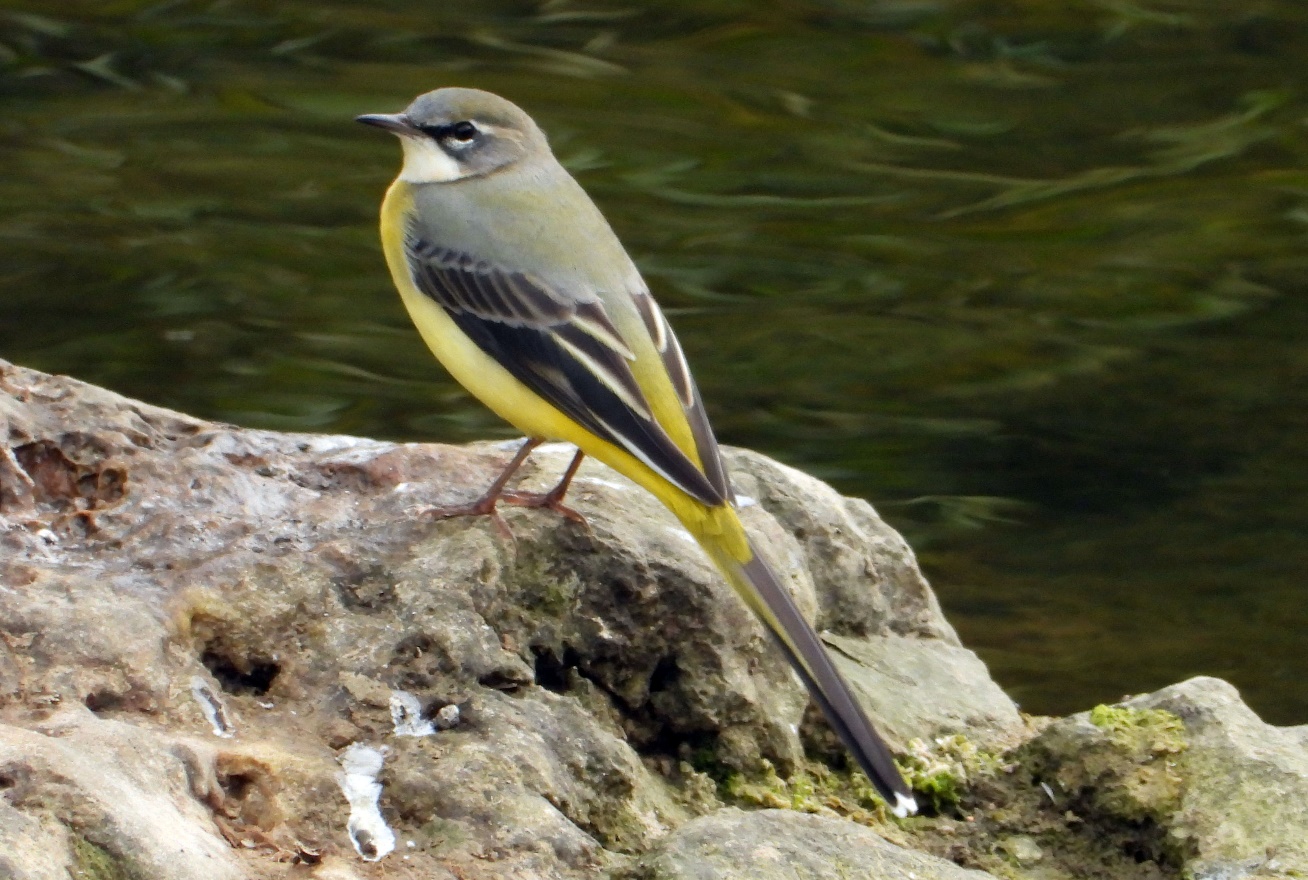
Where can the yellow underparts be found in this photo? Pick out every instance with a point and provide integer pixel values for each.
(717, 527)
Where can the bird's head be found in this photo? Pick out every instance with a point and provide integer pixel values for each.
(453, 134)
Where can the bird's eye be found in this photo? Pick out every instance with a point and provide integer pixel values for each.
(463, 131)
(456, 134)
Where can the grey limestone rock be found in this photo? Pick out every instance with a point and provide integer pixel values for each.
(81, 792)
(925, 688)
(875, 609)
(219, 613)
(199, 624)
(1244, 802)
(1188, 776)
(777, 844)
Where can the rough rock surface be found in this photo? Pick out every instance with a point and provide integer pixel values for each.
(218, 613)
(890, 637)
(1244, 801)
(1188, 778)
(777, 844)
(245, 654)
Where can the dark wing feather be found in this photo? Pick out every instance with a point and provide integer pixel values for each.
(567, 351)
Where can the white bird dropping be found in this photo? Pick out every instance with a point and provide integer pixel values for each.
(371, 836)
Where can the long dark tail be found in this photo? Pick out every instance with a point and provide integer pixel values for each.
(759, 587)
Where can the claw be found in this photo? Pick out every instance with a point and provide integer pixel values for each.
(485, 505)
(548, 500)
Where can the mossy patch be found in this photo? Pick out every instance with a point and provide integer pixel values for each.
(941, 771)
(766, 789)
(814, 788)
(1153, 731)
(1134, 775)
(544, 588)
(1089, 797)
(94, 862)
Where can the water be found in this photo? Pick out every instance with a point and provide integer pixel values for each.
(1031, 277)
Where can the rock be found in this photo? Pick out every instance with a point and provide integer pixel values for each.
(1243, 808)
(1114, 764)
(32, 847)
(83, 793)
(1187, 777)
(926, 688)
(890, 637)
(865, 575)
(766, 844)
(204, 631)
(219, 614)
(1021, 849)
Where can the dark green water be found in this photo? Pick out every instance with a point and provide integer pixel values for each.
(1030, 276)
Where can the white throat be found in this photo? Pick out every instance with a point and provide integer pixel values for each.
(425, 162)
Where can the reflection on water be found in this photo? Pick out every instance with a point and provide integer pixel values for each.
(1032, 278)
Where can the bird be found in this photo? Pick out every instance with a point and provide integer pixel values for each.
(521, 289)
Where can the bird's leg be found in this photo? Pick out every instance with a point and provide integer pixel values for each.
(553, 499)
(485, 505)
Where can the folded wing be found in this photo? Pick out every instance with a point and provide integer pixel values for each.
(563, 346)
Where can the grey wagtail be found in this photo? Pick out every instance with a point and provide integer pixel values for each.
(521, 289)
